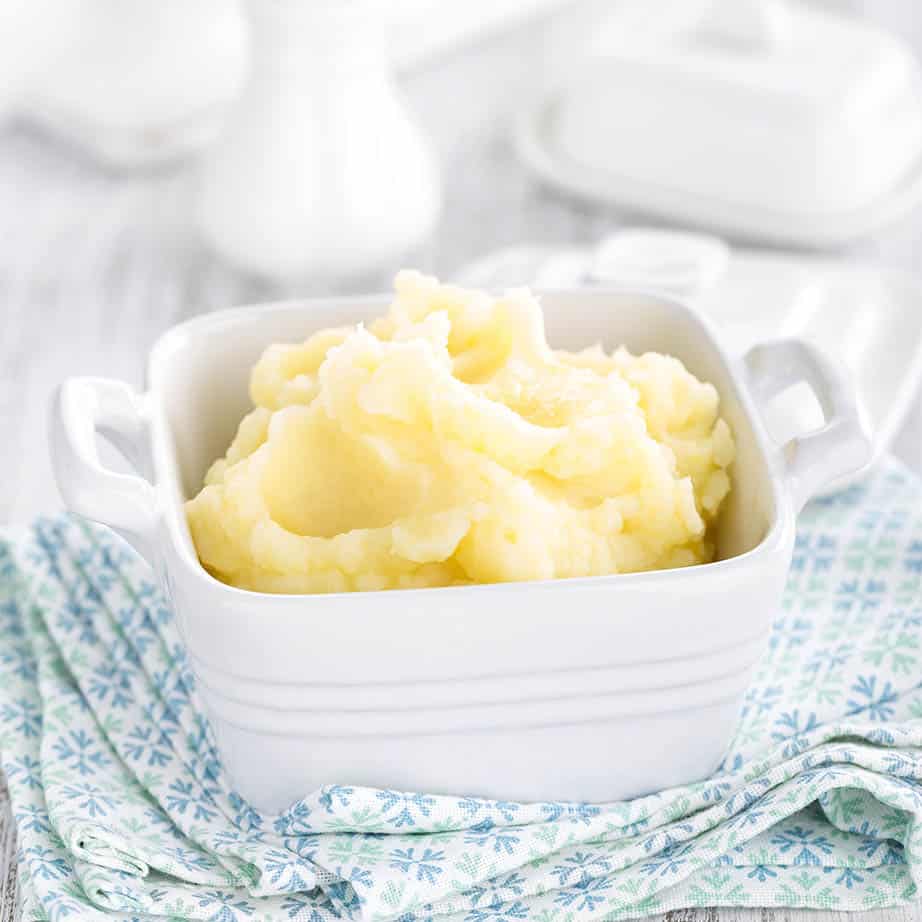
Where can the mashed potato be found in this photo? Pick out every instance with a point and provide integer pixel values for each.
(446, 443)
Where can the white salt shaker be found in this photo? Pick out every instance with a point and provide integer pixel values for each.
(321, 171)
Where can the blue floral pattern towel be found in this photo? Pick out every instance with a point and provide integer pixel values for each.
(123, 809)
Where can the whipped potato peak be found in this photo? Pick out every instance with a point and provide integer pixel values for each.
(447, 443)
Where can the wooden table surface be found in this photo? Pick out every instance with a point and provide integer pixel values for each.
(95, 265)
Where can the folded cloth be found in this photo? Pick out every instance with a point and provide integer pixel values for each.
(123, 809)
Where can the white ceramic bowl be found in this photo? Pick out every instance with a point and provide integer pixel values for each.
(582, 689)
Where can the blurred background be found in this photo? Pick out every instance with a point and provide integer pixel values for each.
(162, 159)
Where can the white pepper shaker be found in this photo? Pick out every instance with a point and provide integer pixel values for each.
(321, 172)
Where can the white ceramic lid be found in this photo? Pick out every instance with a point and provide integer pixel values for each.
(870, 319)
(679, 263)
(765, 118)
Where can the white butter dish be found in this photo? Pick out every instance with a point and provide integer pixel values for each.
(797, 126)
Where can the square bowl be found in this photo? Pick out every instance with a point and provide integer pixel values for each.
(517, 691)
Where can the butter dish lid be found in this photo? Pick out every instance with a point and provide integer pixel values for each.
(868, 318)
(767, 119)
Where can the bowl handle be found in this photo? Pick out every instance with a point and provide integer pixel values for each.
(841, 445)
(83, 408)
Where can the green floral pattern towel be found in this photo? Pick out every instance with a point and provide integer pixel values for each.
(123, 809)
